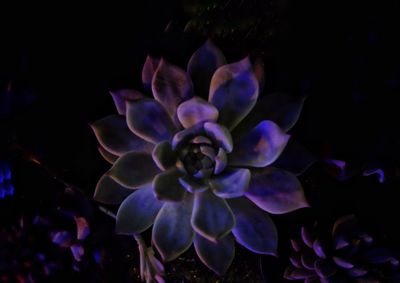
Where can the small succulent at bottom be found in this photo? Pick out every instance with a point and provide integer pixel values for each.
(6, 185)
(350, 255)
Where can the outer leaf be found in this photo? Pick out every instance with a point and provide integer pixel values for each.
(276, 191)
(114, 136)
(110, 192)
(202, 66)
(121, 96)
(260, 147)
(171, 86)
(234, 91)
(295, 158)
(137, 212)
(134, 169)
(217, 256)
(281, 108)
(212, 218)
(172, 233)
(108, 156)
(149, 68)
(254, 229)
(149, 120)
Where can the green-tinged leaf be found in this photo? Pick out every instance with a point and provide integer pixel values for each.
(172, 232)
(137, 212)
(134, 169)
(110, 192)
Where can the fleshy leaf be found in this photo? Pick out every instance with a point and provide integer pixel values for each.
(254, 229)
(281, 108)
(172, 232)
(220, 134)
(149, 120)
(220, 161)
(164, 156)
(234, 91)
(185, 135)
(231, 183)
(114, 136)
(217, 256)
(166, 186)
(202, 65)
(137, 212)
(82, 228)
(110, 192)
(149, 68)
(108, 156)
(295, 158)
(276, 191)
(196, 110)
(212, 218)
(193, 185)
(134, 169)
(171, 86)
(121, 96)
(260, 147)
(258, 69)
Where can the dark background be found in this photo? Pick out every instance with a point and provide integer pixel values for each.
(343, 56)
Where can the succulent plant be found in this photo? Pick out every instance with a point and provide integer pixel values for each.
(350, 255)
(194, 163)
(6, 185)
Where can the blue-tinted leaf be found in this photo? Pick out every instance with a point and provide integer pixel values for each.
(134, 169)
(276, 191)
(260, 147)
(254, 229)
(172, 232)
(217, 256)
(212, 218)
(149, 120)
(110, 192)
(234, 91)
(114, 136)
(202, 65)
(137, 212)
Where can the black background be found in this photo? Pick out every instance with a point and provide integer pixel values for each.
(343, 56)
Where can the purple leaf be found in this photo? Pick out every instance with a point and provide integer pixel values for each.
(133, 170)
(231, 183)
(110, 192)
(217, 256)
(113, 134)
(260, 147)
(212, 218)
(149, 68)
(196, 110)
(82, 228)
(202, 65)
(137, 212)
(120, 98)
(149, 120)
(172, 232)
(171, 86)
(276, 191)
(167, 186)
(234, 91)
(254, 229)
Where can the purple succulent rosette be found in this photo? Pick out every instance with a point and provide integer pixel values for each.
(348, 255)
(199, 170)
